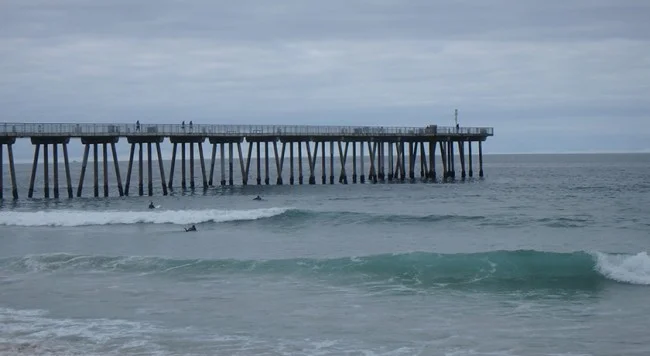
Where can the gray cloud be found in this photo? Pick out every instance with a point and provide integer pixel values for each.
(552, 67)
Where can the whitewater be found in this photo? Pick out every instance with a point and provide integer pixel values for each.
(546, 256)
(108, 217)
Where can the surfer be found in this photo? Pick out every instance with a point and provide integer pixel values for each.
(191, 228)
(257, 198)
(151, 206)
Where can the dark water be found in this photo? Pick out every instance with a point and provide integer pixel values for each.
(546, 256)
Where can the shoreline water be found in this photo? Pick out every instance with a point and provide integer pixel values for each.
(546, 256)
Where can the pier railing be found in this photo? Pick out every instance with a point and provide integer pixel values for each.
(85, 129)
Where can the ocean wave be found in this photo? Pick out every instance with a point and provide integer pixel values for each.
(357, 217)
(181, 217)
(86, 218)
(275, 215)
(522, 268)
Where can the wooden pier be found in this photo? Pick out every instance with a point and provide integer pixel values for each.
(393, 153)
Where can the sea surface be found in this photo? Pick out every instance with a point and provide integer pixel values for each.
(547, 255)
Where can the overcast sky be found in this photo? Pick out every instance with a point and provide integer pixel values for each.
(549, 76)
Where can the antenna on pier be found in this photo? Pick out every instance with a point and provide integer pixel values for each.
(456, 117)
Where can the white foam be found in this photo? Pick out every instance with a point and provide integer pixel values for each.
(179, 217)
(36, 330)
(634, 269)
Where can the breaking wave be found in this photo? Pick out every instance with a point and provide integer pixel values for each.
(275, 215)
(522, 268)
(180, 217)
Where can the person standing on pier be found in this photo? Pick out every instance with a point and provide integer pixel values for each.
(137, 125)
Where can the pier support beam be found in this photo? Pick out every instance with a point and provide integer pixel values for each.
(452, 160)
(443, 158)
(140, 164)
(212, 162)
(223, 163)
(343, 155)
(46, 176)
(117, 169)
(202, 164)
(372, 175)
(149, 170)
(267, 179)
(84, 163)
(230, 164)
(105, 168)
(160, 167)
(480, 159)
(129, 169)
(246, 169)
(95, 170)
(279, 161)
(424, 170)
(380, 160)
(391, 171)
(55, 168)
(414, 161)
(447, 162)
(183, 181)
(32, 179)
(192, 186)
(290, 163)
(362, 178)
(66, 163)
(8, 141)
(312, 162)
(171, 168)
(469, 145)
(398, 160)
(402, 161)
(12, 171)
(258, 161)
(354, 162)
(331, 162)
(411, 161)
(432, 161)
(461, 152)
(324, 171)
(300, 176)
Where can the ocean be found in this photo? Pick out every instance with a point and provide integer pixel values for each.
(548, 255)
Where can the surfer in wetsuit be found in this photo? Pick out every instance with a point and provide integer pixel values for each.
(191, 228)
(257, 198)
(151, 206)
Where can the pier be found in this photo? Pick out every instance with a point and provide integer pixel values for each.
(393, 152)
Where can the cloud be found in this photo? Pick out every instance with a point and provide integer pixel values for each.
(545, 67)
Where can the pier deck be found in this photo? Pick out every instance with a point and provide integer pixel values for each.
(389, 148)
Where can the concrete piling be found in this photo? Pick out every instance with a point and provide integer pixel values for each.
(469, 146)
(160, 167)
(105, 168)
(129, 169)
(140, 169)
